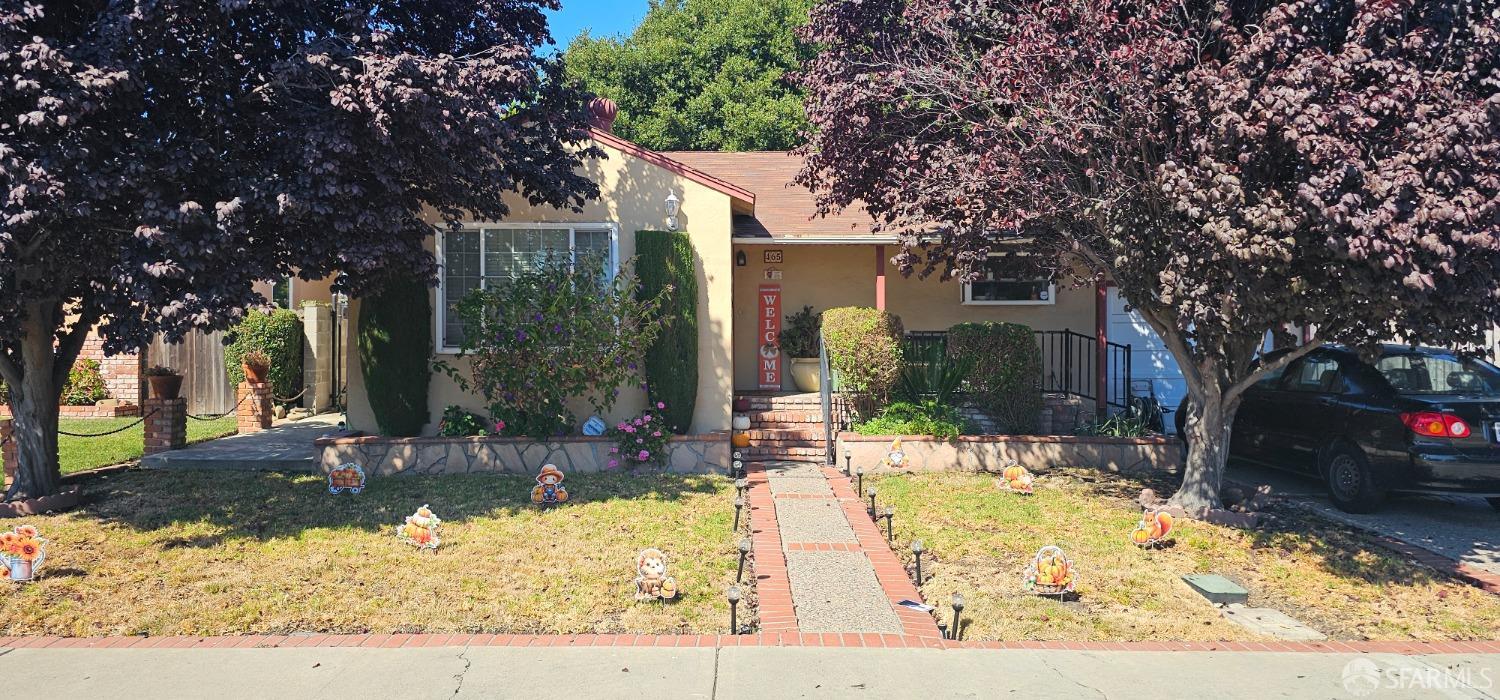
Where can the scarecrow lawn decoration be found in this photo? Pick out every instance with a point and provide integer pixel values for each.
(421, 529)
(346, 477)
(1016, 479)
(22, 552)
(1049, 573)
(549, 490)
(651, 579)
(1152, 530)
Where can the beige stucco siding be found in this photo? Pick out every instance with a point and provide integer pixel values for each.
(828, 276)
(632, 196)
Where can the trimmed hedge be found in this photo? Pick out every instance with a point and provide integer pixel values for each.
(278, 334)
(1006, 381)
(394, 342)
(864, 350)
(665, 258)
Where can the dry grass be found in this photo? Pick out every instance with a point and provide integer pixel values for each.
(228, 553)
(1333, 580)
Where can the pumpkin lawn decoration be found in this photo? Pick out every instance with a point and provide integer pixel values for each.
(651, 579)
(895, 457)
(1050, 573)
(421, 529)
(1152, 530)
(346, 477)
(549, 490)
(1015, 479)
(22, 551)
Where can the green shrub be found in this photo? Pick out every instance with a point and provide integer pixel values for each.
(929, 372)
(278, 334)
(457, 422)
(864, 350)
(925, 418)
(1006, 381)
(395, 348)
(800, 336)
(664, 259)
(85, 385)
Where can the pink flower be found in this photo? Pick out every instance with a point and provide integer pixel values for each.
(640, 441)
(638, 421)
(499, 425)
(643, 456)
(614, 450)
(661, 406)
(620, 426)
(614, 463)
(656, 434)
(629, 429)
(646, 418)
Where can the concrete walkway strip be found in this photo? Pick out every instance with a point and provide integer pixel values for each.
(285, 447)
(732, 673)
(838, 592)
(812, 520)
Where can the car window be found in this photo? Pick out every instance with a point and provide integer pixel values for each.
(1313, 374)
(1423, 373)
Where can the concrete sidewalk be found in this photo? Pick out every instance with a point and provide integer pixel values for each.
(745, 672)
(286, 447)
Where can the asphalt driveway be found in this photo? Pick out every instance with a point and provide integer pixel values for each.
(1461, 528)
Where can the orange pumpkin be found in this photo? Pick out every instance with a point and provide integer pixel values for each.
(1013, 472)
(1140, 536)
(740, 440)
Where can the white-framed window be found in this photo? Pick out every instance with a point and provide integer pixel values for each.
(995, 288)
(478, 253)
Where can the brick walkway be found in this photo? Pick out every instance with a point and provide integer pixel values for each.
(822, 566)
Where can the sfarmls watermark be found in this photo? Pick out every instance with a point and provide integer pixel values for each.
(1365, 677)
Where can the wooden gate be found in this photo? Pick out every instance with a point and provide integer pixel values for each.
(200, 360)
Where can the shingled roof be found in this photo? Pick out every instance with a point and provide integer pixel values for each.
(783, 211)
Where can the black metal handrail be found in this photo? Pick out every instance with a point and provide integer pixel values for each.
(1069, 363)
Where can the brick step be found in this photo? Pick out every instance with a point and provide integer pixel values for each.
(801, 444)
(788, 433)
(794, 402)
(778, 417)
(754, 452)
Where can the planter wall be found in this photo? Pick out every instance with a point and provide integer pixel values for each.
(109, 408)
(382, 456)
(992, 452)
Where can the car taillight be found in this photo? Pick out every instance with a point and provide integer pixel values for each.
(1433, 424)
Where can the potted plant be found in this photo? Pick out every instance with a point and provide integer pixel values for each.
(799, 342)
(166, 383)
(257, 366)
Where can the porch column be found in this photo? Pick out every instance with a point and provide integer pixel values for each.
(1101, 348)
(880, 277)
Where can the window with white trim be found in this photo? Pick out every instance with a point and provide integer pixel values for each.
(475, 255)
(996, 288)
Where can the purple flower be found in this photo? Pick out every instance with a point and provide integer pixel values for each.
(632, 366)
(614, 450)
(520, 336)
(646, 418)
(643, 456)
(637, 422)
(537, 317)
(557, 328)
(640, 441)
(614, 463)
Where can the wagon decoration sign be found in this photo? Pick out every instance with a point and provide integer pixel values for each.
(1153, 529)
(651, 579)
(1016, 479)
(22, 551)
(421, 529)
(1050, 573)
(549, 490)
(346, 477)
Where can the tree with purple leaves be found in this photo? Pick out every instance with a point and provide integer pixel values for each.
(158, 156)
(1234, 166)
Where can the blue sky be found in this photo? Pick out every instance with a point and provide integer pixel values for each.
(600, 17)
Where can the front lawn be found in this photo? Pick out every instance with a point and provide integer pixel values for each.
(235, 553)
(980, 539)
(78, 454)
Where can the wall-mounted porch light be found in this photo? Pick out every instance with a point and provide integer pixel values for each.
(672, 202)
(739, 259)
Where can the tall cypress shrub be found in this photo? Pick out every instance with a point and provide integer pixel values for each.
(395, 352)
(666, 258)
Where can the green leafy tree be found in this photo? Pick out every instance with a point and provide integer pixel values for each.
(702, 74)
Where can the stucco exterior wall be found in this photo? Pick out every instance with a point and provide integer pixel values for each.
(828, 276)
(632, 193)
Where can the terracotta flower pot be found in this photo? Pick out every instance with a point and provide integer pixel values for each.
(167, 386)
(256, 375)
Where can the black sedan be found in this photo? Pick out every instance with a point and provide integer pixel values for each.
(1417, 420)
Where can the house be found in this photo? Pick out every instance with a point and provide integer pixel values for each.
(757, 241)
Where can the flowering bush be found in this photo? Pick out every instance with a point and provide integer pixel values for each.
(554, 331)
(640, 441)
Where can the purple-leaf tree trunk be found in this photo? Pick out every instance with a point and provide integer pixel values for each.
(158, 158)
(1235, 167)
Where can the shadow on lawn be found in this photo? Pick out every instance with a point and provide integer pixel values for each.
(267, 505)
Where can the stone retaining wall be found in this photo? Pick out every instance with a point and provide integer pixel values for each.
(992, 452)
(109, 408)
(383, 456)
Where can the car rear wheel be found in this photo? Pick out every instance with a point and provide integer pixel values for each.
(1351, 482)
